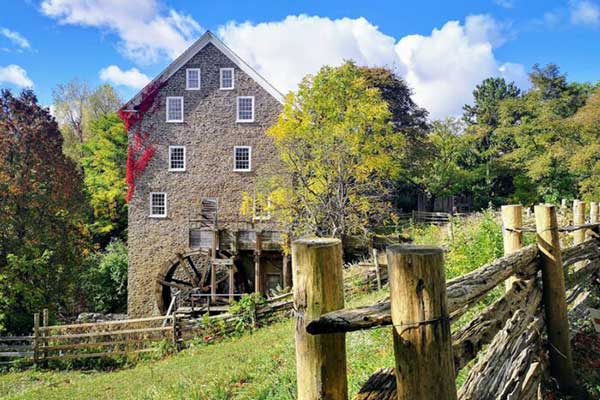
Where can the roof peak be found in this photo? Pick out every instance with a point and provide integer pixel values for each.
(206, 38)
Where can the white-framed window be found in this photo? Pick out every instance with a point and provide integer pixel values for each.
(174, 109)
(192, 79)
(158, 204)
(176, 158)
(226, 78)
(242, 158)
(245, 109)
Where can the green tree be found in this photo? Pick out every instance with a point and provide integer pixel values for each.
(105, 280)
(103, 161)
(446, 171)
(335, 139)
(494, 181)
(585, 161)
(43, 236)
(536, 125)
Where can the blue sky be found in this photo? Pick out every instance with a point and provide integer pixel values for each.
(442, 48)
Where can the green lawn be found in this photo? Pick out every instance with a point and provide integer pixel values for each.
(256, 366)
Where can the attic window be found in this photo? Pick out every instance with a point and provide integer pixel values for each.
(226, 78)
(174, 109)
(192, 81)
(245, 109)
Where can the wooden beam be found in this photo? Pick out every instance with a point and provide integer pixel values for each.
(258, 278)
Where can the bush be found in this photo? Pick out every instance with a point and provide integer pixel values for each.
(105, 281)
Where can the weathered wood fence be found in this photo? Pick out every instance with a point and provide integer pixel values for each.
(142, 335)
(422, 307)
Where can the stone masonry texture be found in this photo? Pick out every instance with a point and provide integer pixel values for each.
(209, 132)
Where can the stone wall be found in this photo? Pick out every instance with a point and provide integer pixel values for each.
(209, 132)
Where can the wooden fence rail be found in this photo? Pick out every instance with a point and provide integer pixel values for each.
(512, 364)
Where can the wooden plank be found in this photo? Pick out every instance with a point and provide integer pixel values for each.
(103, 354)
(106, 333)
(101, 324)
(15, 338)
(16, 354)
(102, 344)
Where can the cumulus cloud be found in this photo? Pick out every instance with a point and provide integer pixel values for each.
(585, 13)
(131, 78)
(15, 75)
(442, 68)
(285, 51)
(146, 33)
(15, 37)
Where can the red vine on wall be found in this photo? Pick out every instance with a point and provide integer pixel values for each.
(140, 149)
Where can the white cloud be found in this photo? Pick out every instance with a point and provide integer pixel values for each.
(15, 75)
(286, 51)
(442, 68)
(585, 13)
(15, 37)
(131, 78)
(147, 34)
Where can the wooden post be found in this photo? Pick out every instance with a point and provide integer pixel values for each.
(36, 337)
(45, 333)
(512, 220)
(421, 325)
(231, 283)
(377, 271)
(258, 286)
(579, 219)
(594, 215)
(555, 304)
(175, 337)
(213, 268)
(287, 281)
(318, 289)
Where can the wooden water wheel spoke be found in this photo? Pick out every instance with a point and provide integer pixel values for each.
(191, 272)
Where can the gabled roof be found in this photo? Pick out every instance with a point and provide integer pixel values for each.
(205, 39)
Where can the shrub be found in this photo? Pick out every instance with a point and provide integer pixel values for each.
(105, 281)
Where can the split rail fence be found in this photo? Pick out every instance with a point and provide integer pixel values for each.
(512, 344)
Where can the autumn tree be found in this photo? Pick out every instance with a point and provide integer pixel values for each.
(103, 162)
(42, 240)
(75, 106)
(335, 140)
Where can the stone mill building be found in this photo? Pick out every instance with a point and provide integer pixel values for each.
(205, 118)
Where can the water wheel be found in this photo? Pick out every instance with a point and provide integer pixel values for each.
(189, 275)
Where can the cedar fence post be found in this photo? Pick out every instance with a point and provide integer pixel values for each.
(554, 296)
(512, 220)
(318, 289)
(421, 325)
(36, 336)
(578, 219)
(377, 271)
(594, 214)
(45, 333)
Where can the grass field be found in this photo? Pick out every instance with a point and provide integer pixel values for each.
(260, 365)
